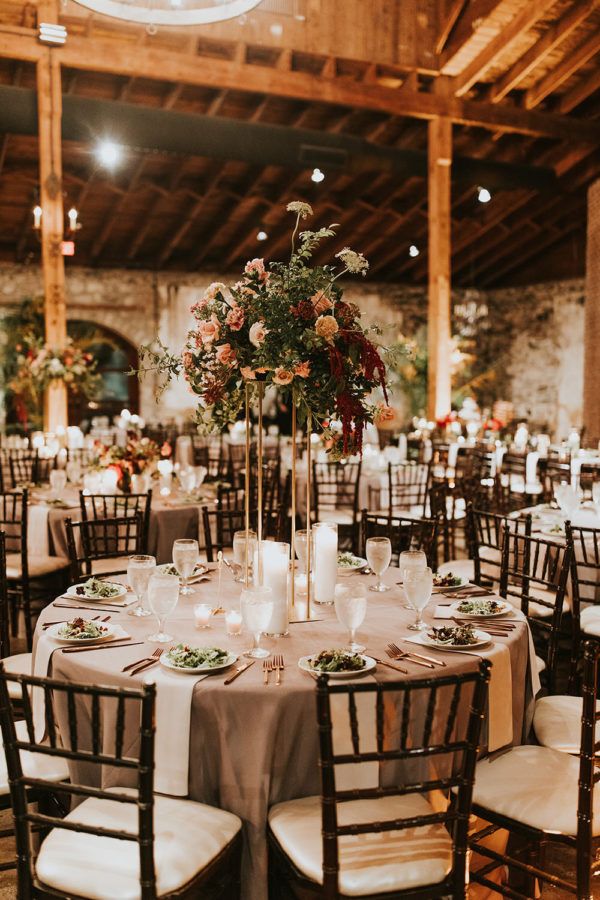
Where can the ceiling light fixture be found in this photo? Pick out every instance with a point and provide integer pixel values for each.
(413, 250)
(108, 153)
(317, 176)
(164, 12)
(483, 195)
(262, 236)
(37, 217)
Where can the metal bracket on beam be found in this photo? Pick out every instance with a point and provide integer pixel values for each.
(51, 33)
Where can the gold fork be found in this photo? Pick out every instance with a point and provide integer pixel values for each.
(279, 666)
(395, 652)
(429, 659)
(151, 661)
(267, 669)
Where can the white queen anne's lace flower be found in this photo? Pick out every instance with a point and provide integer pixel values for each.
(304, 210)
(354, 262)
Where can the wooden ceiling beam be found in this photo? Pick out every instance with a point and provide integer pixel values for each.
(544, 242)
(148, 62)
(573, 60)
(109, 224)
(474, 15)
(451, 16)
(531, 12)
(540, 49)
(579, 93)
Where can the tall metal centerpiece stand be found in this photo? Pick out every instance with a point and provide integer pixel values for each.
(248, 482)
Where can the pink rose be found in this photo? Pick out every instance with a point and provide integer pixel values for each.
(320, 302)
(384, 413)
(248, 374)
(226, 355)
(197, 308)
(326, 327)
(216, 287)
(188, 360)
(235, 318)
(209, 331)
(257, 333)
(302, 369)
(256, 267)
(282, 376)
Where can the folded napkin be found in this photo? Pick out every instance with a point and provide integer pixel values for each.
(174, 692)
(80, 602)
(38, 539)
(500, 711)
(42, 665)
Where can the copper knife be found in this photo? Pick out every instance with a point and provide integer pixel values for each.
(238, 672)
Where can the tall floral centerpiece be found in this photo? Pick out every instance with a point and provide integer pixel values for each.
(288, 326)
(139, 455)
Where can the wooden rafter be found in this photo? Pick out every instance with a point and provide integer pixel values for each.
(572, 61)
(579, 93)
(105, 231)
(522, 22)
(475, 14)
(450, 18)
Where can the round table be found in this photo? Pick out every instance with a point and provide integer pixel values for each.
(252, 746)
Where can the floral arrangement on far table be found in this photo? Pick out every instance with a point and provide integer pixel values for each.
(140, 454)
(285, 324)
(40, 364)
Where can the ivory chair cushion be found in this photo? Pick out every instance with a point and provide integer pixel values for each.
(35, 765)
(538, 610)
(369, 863)
(541, 664)
(464, 568)
(38, 565)
(557, 722)
(535, 786)
(187, 837)
(18, 664)
(590, 620)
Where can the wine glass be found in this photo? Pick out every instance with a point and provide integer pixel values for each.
(411, 560)
(139, 572)
(300, 547)
(163, 594)
(567, 499)
(351, 609)
(185, 557)
(257, 607)
(239, 553)
(379, 555)
(418, 586)
(187, 480)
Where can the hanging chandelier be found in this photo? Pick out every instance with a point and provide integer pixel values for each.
(171, 12)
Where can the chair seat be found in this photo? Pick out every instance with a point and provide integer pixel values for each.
(557, 722)
(110, 564)
(540, 610)
(35, 765)
(463, 568)
(38, 565)
(339, 516)
(540, 664)
(188, 836)
(590, 621)
(535, 786)
(369, 863)
(18, 664)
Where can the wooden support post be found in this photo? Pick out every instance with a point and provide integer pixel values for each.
(51, 201)
(591, 345)
(438, 341)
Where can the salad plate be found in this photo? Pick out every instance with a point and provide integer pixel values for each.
(448, 581)
(347, 563)
(337, 663)
(480, 607)
(170, 569)
(81, 631)
(97, 590)
(455, 638)
(197, 660)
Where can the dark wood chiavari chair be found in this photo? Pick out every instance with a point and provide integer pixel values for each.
(219, 527)
(407, 488)
(373, 841)
(85, 456)
(534, 578)
(404, 534)
(486, 532)
(585, 578)
(440, 461)
(112, 506)
(166, 847)
(18, 663)
(589, 475)
(554, 474)
(448, 506)
(543, 796)
(335, 498)
(27, 467)
(559, 454)
(33, 579)
(209, 452)
(102, 546)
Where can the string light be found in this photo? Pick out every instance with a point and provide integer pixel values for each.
(413, 250)
(108, 153)
(262, 236)
(317, 176)
(483, 195)
(72, 215)
(37, 217)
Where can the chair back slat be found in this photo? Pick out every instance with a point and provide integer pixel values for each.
(404, 533)
(120, 728)
(486, 538)
(353, 722)
(4, 608)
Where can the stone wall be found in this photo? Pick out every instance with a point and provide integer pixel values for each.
(530, 339)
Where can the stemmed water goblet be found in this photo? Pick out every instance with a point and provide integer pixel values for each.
(256, 605)
(140, 569)
(379, 556)
(351, 609)
(185, 557)
(239, 554)
(163, 594)
(418, 585)
(411, 561)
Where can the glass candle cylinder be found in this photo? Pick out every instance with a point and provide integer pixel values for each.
(233, 622)
(275, 572)
(202, 614)
(325, 542)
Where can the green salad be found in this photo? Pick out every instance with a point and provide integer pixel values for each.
(82, 629)
(337, 661)
(456, 636)
(448, 580)
(480, 607)
(185, 657)
(349, 561)
(94, 587)
(170, 569)
(557, 529)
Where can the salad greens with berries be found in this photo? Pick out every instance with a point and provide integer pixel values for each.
(349, 561)
(185, 657)
(96, 588)
(82, 629)
(480, 607)
(456, 636)
(448, 580)
(337, 661)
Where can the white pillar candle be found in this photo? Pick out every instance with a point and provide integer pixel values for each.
(275, 571)
(233, 622)
(109, 481)
(202, 614)
(325, 539)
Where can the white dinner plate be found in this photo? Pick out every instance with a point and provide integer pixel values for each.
(461, 582)
(501, 612)
(91, 598)
(483, 638)
(54, 629)
(351, 570)
(304, 664)
(198, 670)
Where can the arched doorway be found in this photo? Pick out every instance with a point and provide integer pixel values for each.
(115, 357)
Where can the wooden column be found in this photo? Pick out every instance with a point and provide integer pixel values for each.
(51, 201)
(591, 342)
(438, 340)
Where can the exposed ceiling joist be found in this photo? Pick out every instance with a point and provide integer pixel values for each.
(450, 19)
(571, 63)
(581, 91)
(474, 15)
